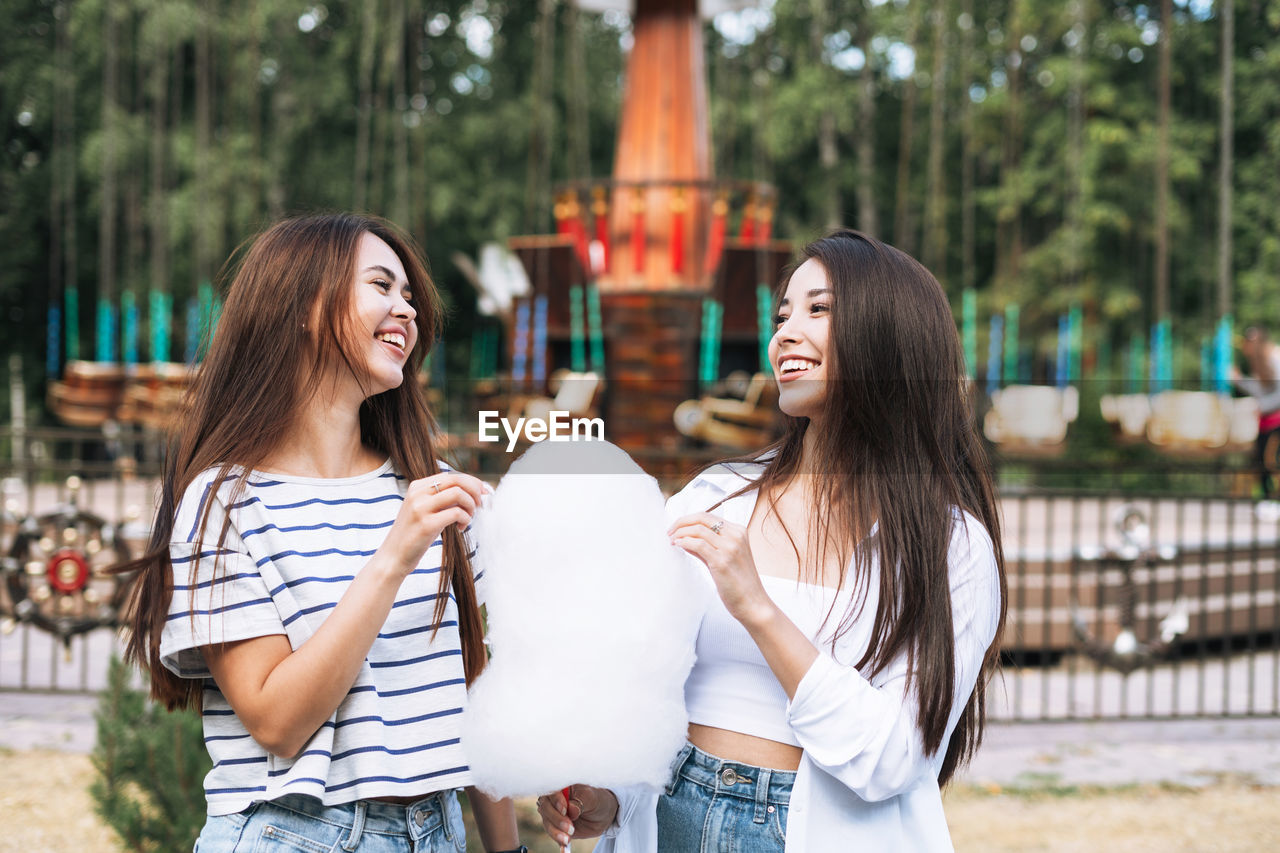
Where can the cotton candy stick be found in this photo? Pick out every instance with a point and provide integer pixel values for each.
(565, 791)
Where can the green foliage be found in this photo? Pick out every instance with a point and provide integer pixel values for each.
(151, 766)
(449, 96)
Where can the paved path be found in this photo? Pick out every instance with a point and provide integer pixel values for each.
(1113, 753)
(1015, 755)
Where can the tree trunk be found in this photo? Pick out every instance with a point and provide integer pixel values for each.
(828, 155)
(364, 117)
(108, 201)
(133, 178)
(903, 227)
(1075, 153)
(868, 221)
(1162, 163)
(1009, 220)
(934, 251)
(1226, 133)
(537, 193)
(400, 133)
(253, 110)
(158, 205)
(968, 233)
(578, 138)
(205, 223)
(283, 106)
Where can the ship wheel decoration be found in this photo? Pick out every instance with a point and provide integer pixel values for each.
(54, 570)
(1127, 652)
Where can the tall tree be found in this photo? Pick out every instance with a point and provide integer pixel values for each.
(1164, 85)
(934, 245)
(828, 154)
(865, 129)
(366, 118)
(903, 223)
(107, 212)
(1226, 147)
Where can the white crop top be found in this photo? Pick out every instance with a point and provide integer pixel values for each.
(731, 686)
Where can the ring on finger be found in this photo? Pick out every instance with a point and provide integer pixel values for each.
(435, 487)
(715, 528)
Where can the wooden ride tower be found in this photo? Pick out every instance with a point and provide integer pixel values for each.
(656, 243)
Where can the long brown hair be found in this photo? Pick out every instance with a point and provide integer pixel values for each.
(261, 367)
(898, 450)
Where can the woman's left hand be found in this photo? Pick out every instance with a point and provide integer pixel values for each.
(724, 549)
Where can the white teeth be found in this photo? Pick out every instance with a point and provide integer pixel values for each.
(796, 364)
(392, 338)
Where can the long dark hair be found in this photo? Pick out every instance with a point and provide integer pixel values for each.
(898, 449)
(261, 367)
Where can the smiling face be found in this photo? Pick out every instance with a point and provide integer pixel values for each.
(382, 318)
(799, 351)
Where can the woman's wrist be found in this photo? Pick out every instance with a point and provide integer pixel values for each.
(760, 615)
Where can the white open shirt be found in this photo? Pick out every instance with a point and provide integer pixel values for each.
(864, 781)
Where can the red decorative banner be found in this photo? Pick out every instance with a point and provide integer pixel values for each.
(677, 231)
(600, 210)
(637, 230)
(715, 240)
(747, 234)
(766, 224)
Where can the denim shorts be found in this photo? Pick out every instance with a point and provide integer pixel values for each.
(715, 806)
(298, 823)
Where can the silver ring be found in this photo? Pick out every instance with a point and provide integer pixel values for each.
(435, 487)
(715, 528)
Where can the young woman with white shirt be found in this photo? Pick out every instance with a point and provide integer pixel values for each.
(841, 672)
(308, 586)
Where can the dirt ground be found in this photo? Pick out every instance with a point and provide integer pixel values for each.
(47, 809)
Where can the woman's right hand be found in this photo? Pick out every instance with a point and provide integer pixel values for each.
(430, 505)
(588, 812)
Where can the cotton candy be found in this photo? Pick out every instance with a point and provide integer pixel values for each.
(592, 617)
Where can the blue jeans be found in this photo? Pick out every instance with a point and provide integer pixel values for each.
(714, 806)
(298, 823)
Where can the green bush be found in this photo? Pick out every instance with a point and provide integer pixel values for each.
(150, 767)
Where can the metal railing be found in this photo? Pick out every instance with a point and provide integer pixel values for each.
(1135, 591)
(1146, 591)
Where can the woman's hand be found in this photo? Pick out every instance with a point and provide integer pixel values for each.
(724, 549)
(588, 812)
(430, 505)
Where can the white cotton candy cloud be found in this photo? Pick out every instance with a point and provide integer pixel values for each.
(592, 620)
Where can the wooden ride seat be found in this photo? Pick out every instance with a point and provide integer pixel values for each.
(1031, 419)
(1129, 414)
(89, 394)
(1190, 422)
(577, 394)
(155, 394)
(1243, 413)
(740, 424)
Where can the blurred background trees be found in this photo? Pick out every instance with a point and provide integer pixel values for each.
(1018, 147)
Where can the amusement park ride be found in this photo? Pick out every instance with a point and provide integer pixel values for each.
(656, 274)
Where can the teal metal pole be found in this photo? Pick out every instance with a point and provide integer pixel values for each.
(969, 324)
(1011, 343)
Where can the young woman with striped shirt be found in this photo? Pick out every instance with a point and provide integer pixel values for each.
(308, 586)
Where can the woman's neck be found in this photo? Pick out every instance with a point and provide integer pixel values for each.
(324, 442)
(808, 463)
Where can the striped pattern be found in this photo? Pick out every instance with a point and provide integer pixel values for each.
(293, 546)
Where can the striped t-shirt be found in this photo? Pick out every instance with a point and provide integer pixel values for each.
(293, 546)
